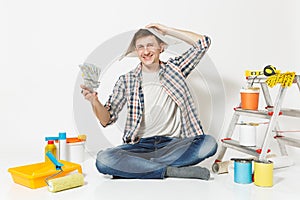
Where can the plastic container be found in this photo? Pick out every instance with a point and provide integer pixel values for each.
(52, 148)
(75, 150)
(34, 175)
(249, 98)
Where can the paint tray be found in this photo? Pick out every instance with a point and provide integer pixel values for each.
(34, 175)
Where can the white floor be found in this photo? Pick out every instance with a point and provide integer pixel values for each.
(98, 186)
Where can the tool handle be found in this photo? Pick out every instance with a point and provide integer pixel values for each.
(57, 164)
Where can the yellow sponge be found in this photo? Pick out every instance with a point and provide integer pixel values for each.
(66, 182)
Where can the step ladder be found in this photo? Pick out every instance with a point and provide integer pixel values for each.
(271, 112)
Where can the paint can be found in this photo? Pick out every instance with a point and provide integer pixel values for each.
(242, 170)
(75, 151)
(247, 135)
(249, 98)
(263, 173)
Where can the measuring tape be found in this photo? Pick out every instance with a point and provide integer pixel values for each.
(270, 70)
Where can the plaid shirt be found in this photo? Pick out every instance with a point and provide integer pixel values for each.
(172, 75)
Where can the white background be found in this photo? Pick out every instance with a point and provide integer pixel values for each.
(43, 42)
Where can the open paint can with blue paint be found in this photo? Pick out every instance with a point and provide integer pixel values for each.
(242, 170)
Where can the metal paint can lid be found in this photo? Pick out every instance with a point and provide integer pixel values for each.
(263, 161)
(242, 160)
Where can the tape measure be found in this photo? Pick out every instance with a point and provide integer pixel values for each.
(270, 70)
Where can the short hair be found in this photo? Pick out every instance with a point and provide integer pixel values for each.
(144, 33)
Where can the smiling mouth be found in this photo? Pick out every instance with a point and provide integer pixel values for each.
(147, 57)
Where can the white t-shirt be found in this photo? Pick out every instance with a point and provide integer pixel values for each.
(161, 116)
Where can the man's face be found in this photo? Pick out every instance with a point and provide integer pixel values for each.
(148, 50)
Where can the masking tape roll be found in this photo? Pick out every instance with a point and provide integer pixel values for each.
(221, 167)
(263, 173)
(66, 182)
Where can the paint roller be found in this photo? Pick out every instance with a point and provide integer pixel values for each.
(65, 182)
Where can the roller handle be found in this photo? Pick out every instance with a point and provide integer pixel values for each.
(57, 164)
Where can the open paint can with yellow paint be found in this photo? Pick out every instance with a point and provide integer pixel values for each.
(263, 173)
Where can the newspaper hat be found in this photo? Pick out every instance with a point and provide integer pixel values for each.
(167, 40)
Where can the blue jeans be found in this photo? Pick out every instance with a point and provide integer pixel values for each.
(149, 158)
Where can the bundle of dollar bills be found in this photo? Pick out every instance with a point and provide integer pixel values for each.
(90, 75)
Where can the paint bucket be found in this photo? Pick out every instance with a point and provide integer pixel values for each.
(247, 135)
(242, 170)
(75, 151)
(263, 173)
(249, 98)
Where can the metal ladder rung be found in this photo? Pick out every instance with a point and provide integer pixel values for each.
(289, 141)
(253, 113)
(266, 113)
(229, 143)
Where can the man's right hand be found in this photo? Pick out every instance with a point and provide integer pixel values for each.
(89, 95)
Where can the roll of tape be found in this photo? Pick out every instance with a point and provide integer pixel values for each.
(221, 167)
